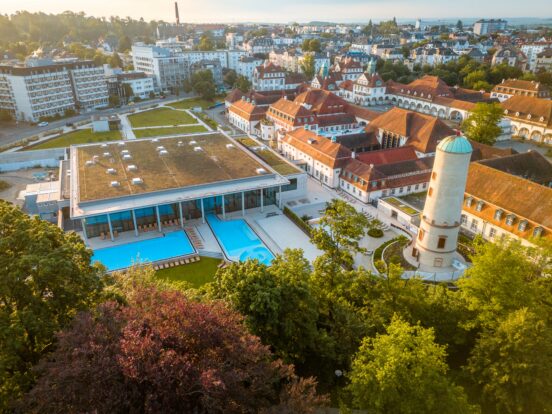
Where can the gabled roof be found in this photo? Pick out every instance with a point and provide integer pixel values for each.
(522, 85)
(423, 131)
(523, 198)
(388, 156)
(322, 149)
(247, 110)
(530, 165)
(520, 107)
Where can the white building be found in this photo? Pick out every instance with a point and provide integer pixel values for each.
(531, 51)
(437, 239)
(484, 27)
(31, 93)
(141, 84)
(246, 66)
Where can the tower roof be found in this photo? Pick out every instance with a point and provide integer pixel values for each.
(456, 144)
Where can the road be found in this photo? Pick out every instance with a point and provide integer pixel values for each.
(13, 133)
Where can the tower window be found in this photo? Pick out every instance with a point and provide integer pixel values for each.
(421, 234)
(441, 242)
(430, 192)
(434, 175)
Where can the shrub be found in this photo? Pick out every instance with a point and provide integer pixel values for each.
(298, 221)
(376, 233)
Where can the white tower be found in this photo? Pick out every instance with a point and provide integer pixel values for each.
(437, 238)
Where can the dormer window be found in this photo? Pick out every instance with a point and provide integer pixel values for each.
(469, 201)
(510, 219)
(538, 231)
(498, 214)
(480, 205)
(541, 119)
(522, 225)
(529, 116)
(505, 112)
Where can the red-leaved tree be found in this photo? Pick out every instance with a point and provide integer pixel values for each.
(166, 353)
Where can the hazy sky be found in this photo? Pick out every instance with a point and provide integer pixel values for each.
(288, 10)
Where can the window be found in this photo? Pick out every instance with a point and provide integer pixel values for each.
(433, 175)
(469, 201)
(474, 225)
(464, 219)
(430, 192)
(291, 186)
(421, 234)
(479, 206)
(522, 225)
(498, 214)
(441, 242)
(510, 219)
(492, 232)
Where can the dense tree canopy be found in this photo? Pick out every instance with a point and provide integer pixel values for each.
(46, 278)
(482, 124)
(165, 353)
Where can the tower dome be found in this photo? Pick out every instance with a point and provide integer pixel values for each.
(455, 144)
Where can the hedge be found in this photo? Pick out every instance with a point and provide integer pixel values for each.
(375, 233)
(298, 221)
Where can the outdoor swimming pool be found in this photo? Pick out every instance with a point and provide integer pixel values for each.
(151, 250)
(238, 241)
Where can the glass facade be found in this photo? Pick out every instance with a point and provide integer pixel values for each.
(291, 186)
(252, 199)
(191, 209)
(122, 221)
(96, 225)
(145, 216)
(213, 204)
(233, 202)
(169, 212)
(269, 196)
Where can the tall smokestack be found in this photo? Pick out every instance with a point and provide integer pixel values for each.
(176, 12)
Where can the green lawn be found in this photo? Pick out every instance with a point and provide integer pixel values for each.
(192, 103)
(197, 274)
(156, 132)
(281, 166)
(161, 117)
(79, 136)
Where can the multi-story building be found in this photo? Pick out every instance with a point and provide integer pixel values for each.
(246, 66)
(511, 87)
(31, 93)
(530, 118)
(532, 50)
(269, 77)
(510, 56)
(499, 204)
(485, 27)
(259, 45)
(544, 60)
(292, 60)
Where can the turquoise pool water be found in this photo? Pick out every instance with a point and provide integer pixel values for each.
(144, 251)
(238, 241)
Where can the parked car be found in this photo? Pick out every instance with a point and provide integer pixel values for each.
(43, 124)
(69, 124)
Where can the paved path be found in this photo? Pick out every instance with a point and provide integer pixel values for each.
(126, 128)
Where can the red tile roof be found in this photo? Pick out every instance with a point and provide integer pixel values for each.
(388, 156)
(322, 149)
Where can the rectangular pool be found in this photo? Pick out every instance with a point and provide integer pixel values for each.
(239, 241)
(144, 251)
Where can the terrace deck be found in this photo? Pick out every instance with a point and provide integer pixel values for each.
(181, 167)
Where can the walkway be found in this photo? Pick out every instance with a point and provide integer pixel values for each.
(126, 128)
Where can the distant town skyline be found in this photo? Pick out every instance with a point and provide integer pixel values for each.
(283, 11)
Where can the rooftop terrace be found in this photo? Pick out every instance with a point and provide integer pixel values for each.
(125, 168)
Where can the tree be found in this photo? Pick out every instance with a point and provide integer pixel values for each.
(482, 123)
(230, 78)
(513, 364)
(243, 84)
(206, 42)
(203, 83)
(459, 25)
(46, 280)
(277, 302)
(163, 352)
(115, 61)
(308, 65)
(404, 371)
(125, 44)
(340, 231)
(5, 115)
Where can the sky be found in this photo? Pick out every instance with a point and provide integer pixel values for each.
(288, 10)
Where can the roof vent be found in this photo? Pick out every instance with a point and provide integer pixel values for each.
(163, 152)
(121, 144)
(104, 145)
(89, 163)
(111, 171)
(192, 142)
(132, 167)
(137, 181)
(127, 157)
(160, 148)
(95, 158)
(230, 146)
(198, 149)
(155, 140)
(124, 151)
(311, 141)
(180, 143)
(114, 184)
(107, 154)
(261, 171)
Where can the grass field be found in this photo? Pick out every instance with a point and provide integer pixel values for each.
(156, 132)
(192, 103)
(197, 274)
(160, 117)
(79, 136)
(281, 166)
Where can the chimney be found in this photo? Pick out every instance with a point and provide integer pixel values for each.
(176, 12)
(353, 155)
